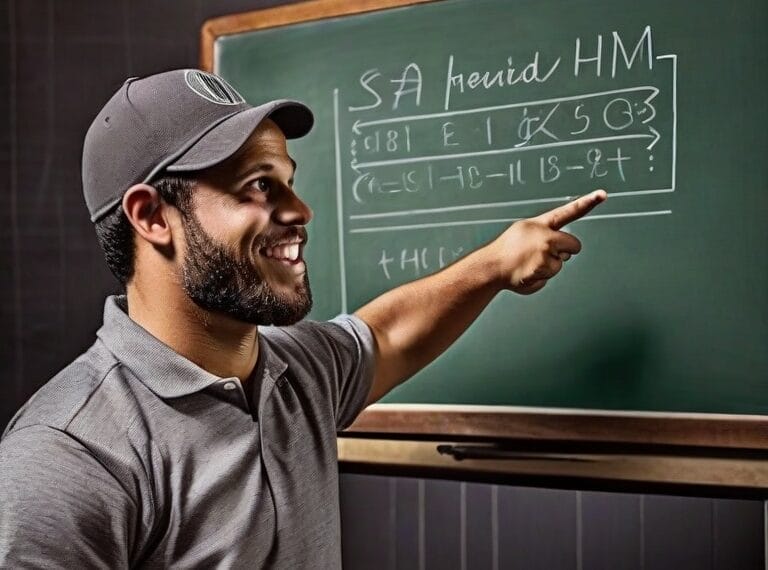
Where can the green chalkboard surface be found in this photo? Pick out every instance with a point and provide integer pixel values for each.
(441, 123)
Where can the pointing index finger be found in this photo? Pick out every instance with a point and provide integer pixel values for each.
(572, 211)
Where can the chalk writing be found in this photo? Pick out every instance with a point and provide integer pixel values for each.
(603, 115)
(413, 262)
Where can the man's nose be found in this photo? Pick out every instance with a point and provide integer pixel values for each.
(291, 210)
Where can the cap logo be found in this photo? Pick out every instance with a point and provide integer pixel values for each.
(212, 88)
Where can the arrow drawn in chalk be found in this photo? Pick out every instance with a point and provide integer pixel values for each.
(656, 135)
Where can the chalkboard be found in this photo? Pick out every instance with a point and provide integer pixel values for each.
(440, 123)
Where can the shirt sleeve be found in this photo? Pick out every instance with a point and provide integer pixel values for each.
(60, 507)
(356, 383)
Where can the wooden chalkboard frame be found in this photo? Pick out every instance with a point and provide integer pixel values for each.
(699, 430)
(282, 16)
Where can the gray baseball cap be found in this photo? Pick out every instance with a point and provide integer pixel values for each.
(178, 121)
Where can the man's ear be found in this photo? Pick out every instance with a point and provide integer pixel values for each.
(148, 214)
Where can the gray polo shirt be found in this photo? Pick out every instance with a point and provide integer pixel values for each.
(134, 456)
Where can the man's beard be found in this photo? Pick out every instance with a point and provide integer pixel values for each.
(216, 280)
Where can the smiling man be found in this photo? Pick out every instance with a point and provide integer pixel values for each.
(191, 434)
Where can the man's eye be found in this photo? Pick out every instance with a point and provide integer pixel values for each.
(261, 184)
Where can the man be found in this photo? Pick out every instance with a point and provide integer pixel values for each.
(187, 436)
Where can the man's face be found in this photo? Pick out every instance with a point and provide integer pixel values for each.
(245, 235)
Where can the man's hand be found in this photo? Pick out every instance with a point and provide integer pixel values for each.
(532, 251)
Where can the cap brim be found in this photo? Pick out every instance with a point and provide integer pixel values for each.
(294, 119)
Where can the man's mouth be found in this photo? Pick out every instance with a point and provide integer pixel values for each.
(287, 252)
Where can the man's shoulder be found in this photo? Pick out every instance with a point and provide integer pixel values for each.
(340, 327)
(63, 396)
(311, 340)
(321, 344)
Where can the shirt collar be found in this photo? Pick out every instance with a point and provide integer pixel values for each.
(155, 364)
(271, 367)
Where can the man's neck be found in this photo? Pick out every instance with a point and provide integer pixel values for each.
(216, 343)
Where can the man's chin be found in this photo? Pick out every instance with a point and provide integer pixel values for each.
(281, 308)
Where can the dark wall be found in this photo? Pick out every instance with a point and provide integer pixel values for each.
(400, 523)
(60, 61)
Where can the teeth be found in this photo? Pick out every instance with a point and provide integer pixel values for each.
(286, 251)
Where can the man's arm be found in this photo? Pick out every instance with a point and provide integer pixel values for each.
(60, 507)
(414, 323)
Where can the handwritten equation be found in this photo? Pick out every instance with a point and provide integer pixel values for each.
(403, 166)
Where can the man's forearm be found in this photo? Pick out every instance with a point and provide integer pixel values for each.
(414, 323)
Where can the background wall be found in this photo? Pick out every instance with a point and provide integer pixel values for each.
(60, 61)
(401, 523)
